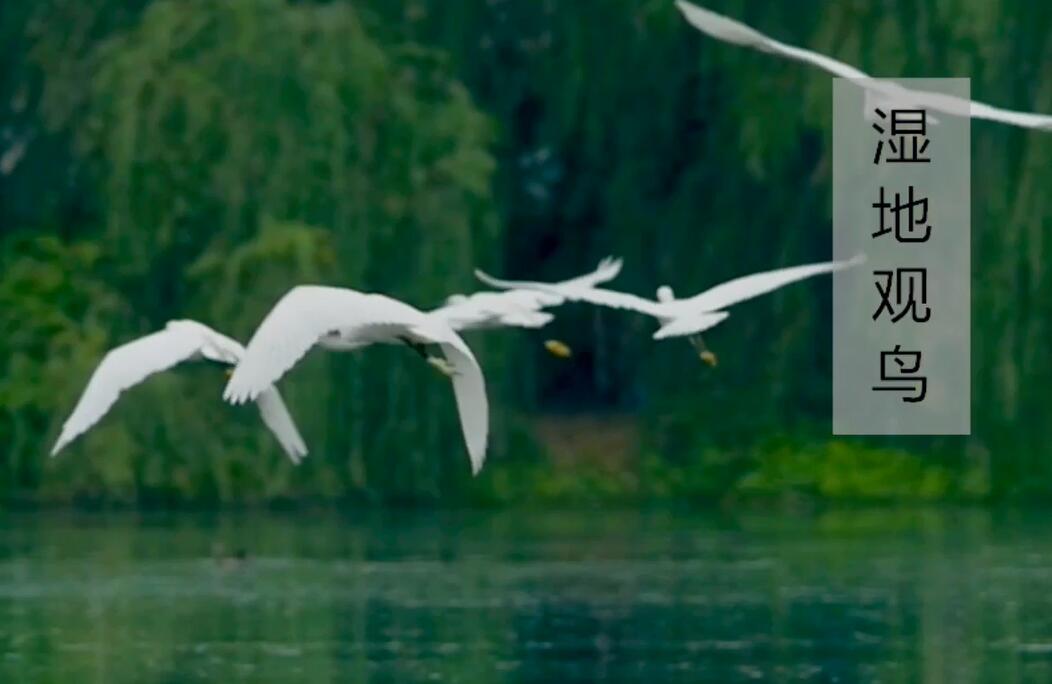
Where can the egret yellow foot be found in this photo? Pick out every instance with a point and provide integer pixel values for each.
(559, 349)
(708, 357)
(442, 366)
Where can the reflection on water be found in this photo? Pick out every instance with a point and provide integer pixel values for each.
(948, 596)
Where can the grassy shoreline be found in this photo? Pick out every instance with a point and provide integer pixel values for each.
(775, 472)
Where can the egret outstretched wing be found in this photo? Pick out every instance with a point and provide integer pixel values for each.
(608, 269)
(747, 287)
(533, 319)
(511, 308)
(980, 110)
(591, 295)
(469, 387)
(346, 319)
(731, 31)
(182, 340)
(122, 368)
(690, 325)
(519, 308)
(276, 417)
(300, 319)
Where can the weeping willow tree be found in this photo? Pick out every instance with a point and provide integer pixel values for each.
(627, 131)
(237, 149)
(54, 319)
(210, 155)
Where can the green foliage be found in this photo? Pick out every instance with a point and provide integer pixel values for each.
(54, 312)
(703, 161)
(189, 158)
(540, 483)
(234, 150)
(842, 471)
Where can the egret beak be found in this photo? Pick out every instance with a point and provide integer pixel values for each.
(558, 349)
(709, 358)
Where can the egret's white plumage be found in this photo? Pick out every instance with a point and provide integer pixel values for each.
(129, 364)
(688, 316)
(343, 319)
(731, 31)
(516, 308)
(486, 310)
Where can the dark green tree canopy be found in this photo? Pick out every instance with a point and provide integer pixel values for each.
(187, 158)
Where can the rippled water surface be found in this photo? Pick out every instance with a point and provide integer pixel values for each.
(875, 596)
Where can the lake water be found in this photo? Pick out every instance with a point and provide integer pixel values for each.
(866, 596)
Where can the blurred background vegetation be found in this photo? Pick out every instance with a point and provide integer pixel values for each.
(188, 158)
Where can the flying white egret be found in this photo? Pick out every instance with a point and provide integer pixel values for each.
(679, 317)
(518, 308)
(129, 364)
(731, 31)
(344, 320)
